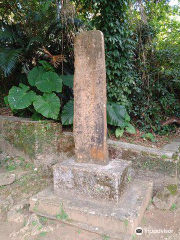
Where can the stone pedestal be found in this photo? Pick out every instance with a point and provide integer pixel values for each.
(92, 181)
(114, 220)
(97, 198)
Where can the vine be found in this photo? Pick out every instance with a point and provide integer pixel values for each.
(111, 17)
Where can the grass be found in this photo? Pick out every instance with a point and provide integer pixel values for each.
(173, 207)
(34, 223)
(43, 219)
(129, 178)
(62, 215)
(42, 234)
(126, 222)
(105, 237)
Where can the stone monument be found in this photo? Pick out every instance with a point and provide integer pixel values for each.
(94, 192)
(90, 124)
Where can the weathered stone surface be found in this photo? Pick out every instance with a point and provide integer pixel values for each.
(97, 216)
(90, 123)
(165, 198)
(91, 180)
(31, 139)
(7, 178)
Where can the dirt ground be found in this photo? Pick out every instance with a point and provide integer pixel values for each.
(32, 181)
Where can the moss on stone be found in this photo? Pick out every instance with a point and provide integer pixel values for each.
(173, 189)
(32, 137)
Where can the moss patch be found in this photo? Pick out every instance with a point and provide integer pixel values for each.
(31, 137)
(173, 189)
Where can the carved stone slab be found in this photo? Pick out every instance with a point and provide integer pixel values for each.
(90, 123)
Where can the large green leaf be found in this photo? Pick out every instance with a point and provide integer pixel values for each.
(68, 113)
(116, 114)
(35, 74)
(49, 82)
(20, 97)
(48, 105)
(68, 80)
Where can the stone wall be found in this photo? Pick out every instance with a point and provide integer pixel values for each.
(41, 142)
(44, 144)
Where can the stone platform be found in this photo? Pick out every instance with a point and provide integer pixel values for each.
(103, 217)
(97, 198)
(92, 181)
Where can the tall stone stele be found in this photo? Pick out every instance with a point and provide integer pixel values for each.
(90, 122)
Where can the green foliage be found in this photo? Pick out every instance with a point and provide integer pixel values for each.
(155, 95)
(126, 128)
(149, 136)
(35, 74)
(20, 97)
(26, 28)
(142, 43)
(62, 215)
(49, 82)
(130, 129)
(48, 104)
(142, 57)
(173, 207)
(9, 59)
(112, 18)
(47, 66)
(68, 80)
(119, 133)
(116, 114)
(68, 113)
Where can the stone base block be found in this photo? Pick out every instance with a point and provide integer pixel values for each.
(91, 180)
(114, 220)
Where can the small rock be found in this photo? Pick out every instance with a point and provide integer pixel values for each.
(165, 198)
(7, 178)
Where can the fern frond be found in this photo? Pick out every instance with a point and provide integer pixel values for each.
(9, 59)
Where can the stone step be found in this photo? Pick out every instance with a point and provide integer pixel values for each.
(103, 217)
(91, 180)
